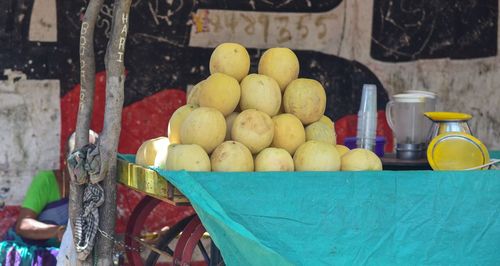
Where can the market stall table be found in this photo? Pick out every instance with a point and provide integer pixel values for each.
(325, 218)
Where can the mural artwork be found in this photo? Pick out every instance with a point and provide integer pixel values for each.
(168, 49)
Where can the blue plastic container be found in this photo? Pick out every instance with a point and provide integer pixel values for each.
(350, 142)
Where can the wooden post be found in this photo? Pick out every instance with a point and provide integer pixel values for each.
(85, 107)
(108, 144)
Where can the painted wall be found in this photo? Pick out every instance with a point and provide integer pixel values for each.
(446, 47)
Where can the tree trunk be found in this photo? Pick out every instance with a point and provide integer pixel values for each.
(85, 107)
(108, 144)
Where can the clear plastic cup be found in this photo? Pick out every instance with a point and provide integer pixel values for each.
(366, 131)
(367, 118)
(368, 99)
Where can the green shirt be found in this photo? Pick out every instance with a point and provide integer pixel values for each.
(42, 191)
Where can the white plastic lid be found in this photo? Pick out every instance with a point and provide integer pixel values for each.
(409, 98)
(428, 94)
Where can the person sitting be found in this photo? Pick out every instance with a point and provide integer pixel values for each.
(42, 219)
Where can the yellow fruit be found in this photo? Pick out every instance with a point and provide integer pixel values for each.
(254, 129)
(229, 124)
(274, 159)
(232, 156)
(289, 132)
(327, 121)
(361, 160)
(321, 132)
(260, 92)
(280, 64)
(316, 156)
(306, 99)
(189, 157)
(175, 122)
(194, 94)
(221, 92)
(153, 152)
(231, 59)
(204, 126)
(342, 149)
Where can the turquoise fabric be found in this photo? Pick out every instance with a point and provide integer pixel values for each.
(349, 218)
(16, 252)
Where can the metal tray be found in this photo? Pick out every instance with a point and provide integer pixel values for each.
(148, 181)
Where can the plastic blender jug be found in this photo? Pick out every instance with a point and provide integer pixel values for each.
(430, 102)
(405, 116)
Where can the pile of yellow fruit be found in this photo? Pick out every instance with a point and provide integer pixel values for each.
(269, 121)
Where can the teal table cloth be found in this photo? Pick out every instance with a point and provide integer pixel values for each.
(349, 218)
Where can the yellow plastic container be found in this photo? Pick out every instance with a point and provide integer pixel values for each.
(456, 151)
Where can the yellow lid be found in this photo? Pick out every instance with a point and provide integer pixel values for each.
(447, 116)
(456, 151)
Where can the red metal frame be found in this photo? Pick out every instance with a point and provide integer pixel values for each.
(184, 248)
(134, 226)
(187, 233)
(187, 254)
